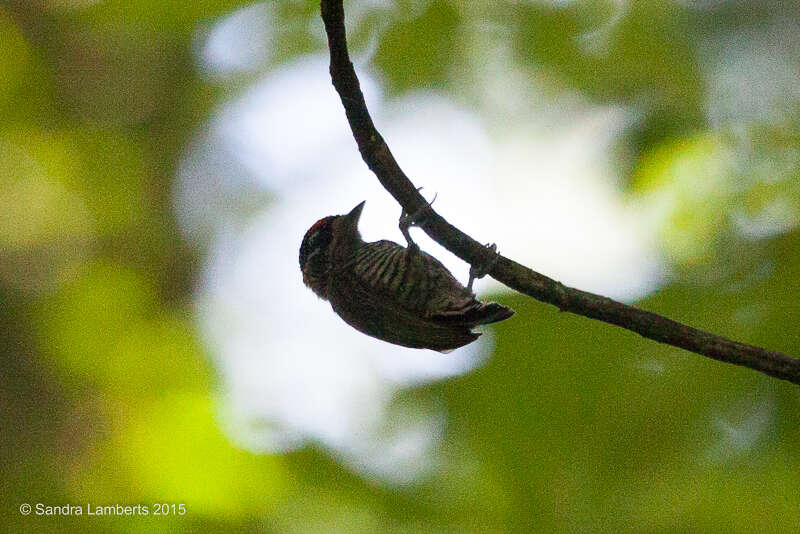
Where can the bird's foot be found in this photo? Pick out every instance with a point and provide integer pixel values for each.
(414, 219)
(483, 268)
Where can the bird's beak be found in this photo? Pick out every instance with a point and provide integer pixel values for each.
(355, 214)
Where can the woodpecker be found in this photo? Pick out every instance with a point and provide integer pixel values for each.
(398, 294)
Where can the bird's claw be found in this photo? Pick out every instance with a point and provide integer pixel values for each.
(408, 220)
(483, 268)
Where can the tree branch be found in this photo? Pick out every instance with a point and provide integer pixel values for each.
(379, 159)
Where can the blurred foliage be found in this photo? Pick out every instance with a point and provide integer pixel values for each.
(106, 394)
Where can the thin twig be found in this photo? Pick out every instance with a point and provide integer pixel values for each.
(379, 159)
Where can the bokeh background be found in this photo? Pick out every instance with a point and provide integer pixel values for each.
(160, 162)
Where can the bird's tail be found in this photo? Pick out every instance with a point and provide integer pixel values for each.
(492, 312)
(477, 314)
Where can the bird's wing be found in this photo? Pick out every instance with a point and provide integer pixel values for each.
(412, 280)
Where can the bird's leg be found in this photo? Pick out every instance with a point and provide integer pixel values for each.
(409, 220)
(483, 268)
(406, 221)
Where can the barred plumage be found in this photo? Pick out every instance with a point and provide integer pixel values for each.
(399, 294)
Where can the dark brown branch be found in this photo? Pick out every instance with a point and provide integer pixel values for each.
(379, 159)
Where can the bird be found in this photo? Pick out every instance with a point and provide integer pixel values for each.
(398, 294)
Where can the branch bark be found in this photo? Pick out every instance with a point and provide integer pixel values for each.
(379, 159)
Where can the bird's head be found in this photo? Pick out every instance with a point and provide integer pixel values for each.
(320, 242)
